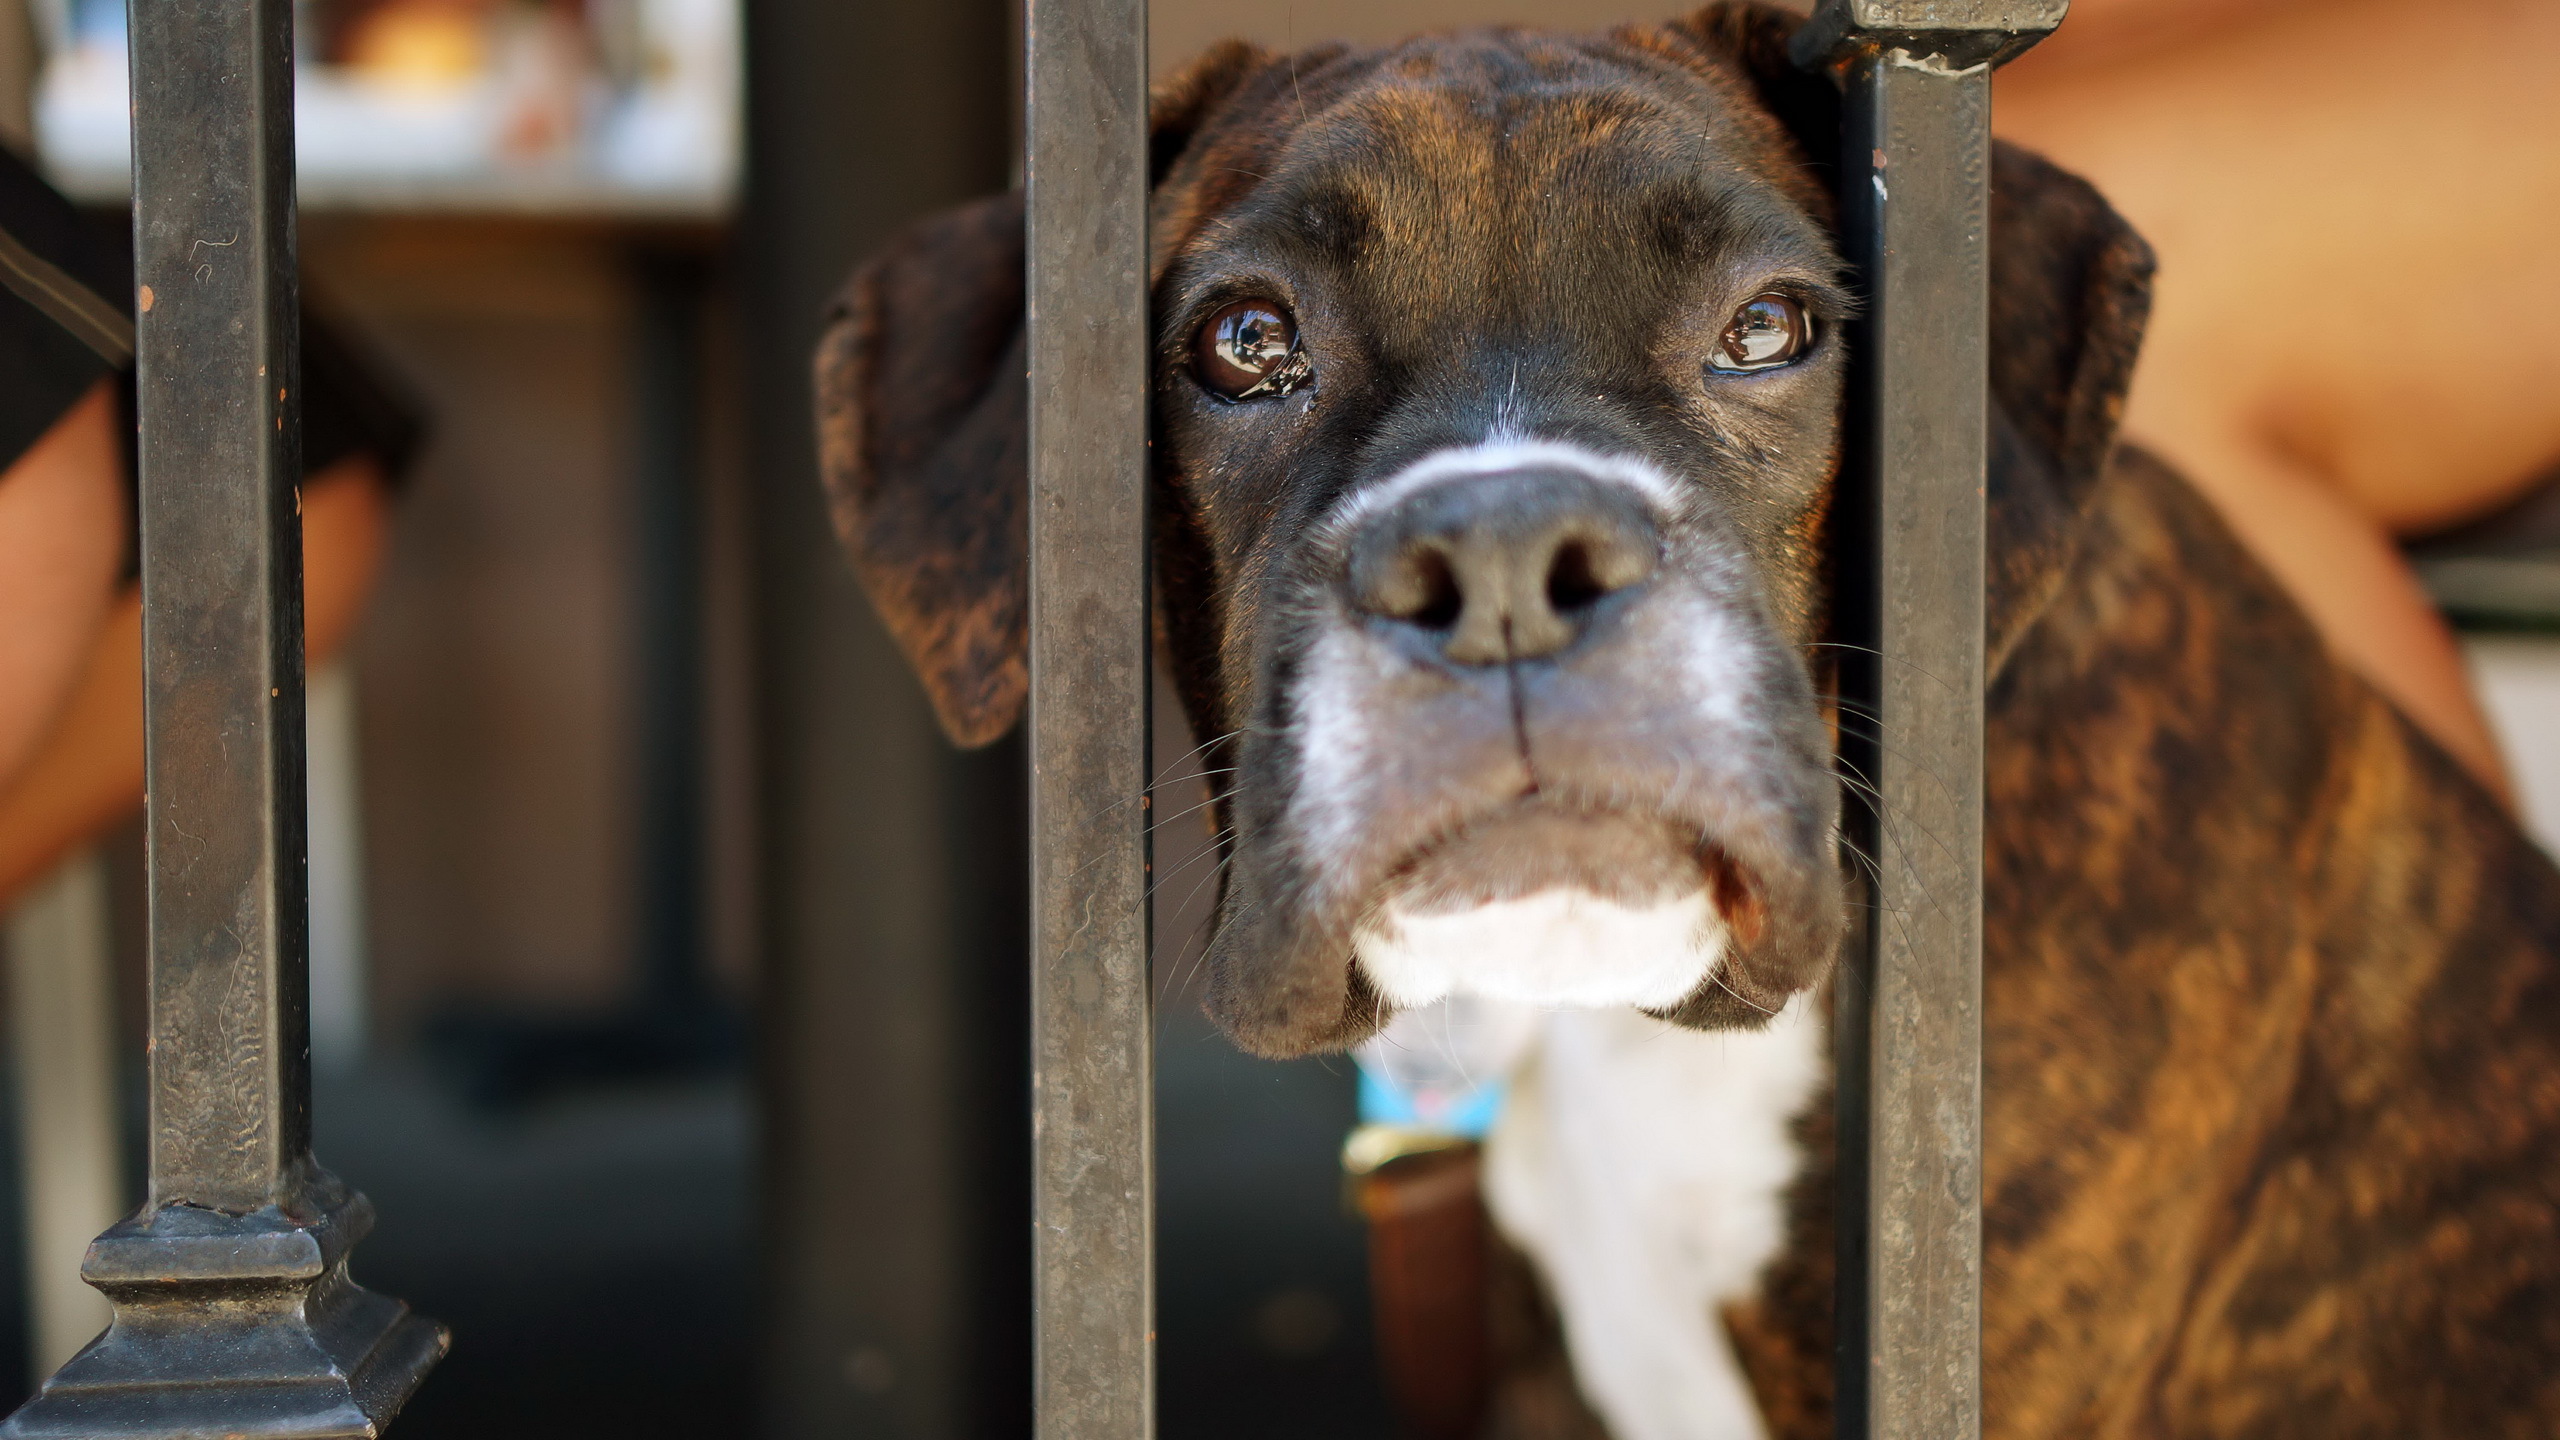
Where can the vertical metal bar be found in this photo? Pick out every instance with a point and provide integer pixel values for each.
(233, 1313)
(666, 383)
(216, 352)
(893, 1084)
(1092, 1067)
(1924, 1142)
(1915, 177)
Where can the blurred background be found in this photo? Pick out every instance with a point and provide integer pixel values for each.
(668, 996)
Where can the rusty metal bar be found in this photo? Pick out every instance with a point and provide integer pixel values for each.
(1093, 1175)
(233, 1311)
(1914, 179)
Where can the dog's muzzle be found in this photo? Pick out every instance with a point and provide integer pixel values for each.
(1501, 568)
(1537, 741)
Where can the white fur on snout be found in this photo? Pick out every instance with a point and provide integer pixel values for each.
(1642, 1167)
(1337, 770)
(1496, 455)
(1557, 947)
(1345, 742)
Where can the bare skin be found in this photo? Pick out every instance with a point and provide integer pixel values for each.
(61, 541)
(2356, 332)
(86, 772)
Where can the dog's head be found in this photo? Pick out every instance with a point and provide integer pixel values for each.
(1498, 402)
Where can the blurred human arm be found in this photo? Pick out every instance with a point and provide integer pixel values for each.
(86, 774)
(2355, 334)
(2106, 32)
(62, 529)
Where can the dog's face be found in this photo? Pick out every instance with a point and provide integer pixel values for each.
(1498, 398)
(1498, 418)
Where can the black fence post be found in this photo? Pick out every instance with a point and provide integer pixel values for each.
(234, 1314)
(1915, 185)
(893, 1094)
(1092, 1075)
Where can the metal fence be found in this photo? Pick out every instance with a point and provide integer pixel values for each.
(233, 1313)
(1915, 173)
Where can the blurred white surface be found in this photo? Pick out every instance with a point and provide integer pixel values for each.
(2519, 679)
(540, 125)
(340, 1009)
(62, 1015)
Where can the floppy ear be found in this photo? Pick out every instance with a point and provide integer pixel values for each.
(2070, 291)
(2070, 288)
(922, 420)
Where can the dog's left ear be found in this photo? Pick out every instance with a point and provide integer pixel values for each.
(2070, 289)
(922, 421)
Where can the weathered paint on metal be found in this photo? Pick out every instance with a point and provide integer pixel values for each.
(1914, 177)
(234, 1313)
(1092, 1064)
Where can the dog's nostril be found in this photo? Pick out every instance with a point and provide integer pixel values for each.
(1502, 568)
(1418, 584)
(1571, 580)
(1437, 599)
(1598, 561)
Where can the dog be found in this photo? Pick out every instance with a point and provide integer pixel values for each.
(1497, 419)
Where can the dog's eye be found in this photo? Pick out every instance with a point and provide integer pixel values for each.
(1767, 332)
(1249, 350)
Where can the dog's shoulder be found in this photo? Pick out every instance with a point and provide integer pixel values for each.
(2274, 1129)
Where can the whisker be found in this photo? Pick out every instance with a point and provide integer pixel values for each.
(1166, 773)
(1874, 872)
(1169, 765)
(1896, 752)
(1190, 964)
(1716, 976)
(1217, 846)
(1921, 671)
(1898, 822)
(1163, 820)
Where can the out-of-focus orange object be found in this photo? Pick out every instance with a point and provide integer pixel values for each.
(421, 44)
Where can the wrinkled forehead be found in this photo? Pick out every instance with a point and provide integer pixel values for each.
(1508, 164)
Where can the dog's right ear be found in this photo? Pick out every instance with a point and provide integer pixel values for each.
(922, 420)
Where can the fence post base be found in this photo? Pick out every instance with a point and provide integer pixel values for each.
(237, 1325)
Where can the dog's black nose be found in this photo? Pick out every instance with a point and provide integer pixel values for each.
(1506, 566)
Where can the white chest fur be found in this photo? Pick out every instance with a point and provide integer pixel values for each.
(1643, 1168)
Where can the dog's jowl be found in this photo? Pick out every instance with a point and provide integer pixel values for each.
(1498, 403)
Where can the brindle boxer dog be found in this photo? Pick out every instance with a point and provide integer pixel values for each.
(1497, 412)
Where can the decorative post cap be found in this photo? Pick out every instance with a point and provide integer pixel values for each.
(1959, 33)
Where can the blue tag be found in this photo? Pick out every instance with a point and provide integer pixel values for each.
(1468, 1115)
(1445, 1067)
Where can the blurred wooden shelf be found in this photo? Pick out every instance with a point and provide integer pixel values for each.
(495, 193)
(2496, 592)
(2502, 571)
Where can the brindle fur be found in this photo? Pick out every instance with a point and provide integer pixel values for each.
(2273, 1062)
(909, 449)
(2273, 1053)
